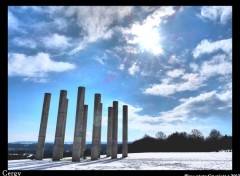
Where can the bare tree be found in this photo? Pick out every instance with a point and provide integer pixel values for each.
(161, 135)
(215, 135)
(196, 134)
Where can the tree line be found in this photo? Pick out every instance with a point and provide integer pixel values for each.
(182, 142)
(176, 142)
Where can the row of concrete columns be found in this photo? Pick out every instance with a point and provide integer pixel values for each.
(43, 127)
(84, 130)
(125, 131)
(60, 128)
(79, 140)
(78, 132)
(96, 127)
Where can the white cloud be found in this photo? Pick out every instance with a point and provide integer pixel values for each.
(56, 41)
(160, 89)
(178, 81)
(173, 59)
(136, 121)
(207, 46)
(37, 79)
(24, 42)
(13, 22)
(194, 67)
(53, 9)
(193, 82)
(214, 13)
(156, 18)
(89, 134)
(79, 47)
(133, 69)
(127, 49)
(43, 9)
(218, 65)
(95, 21)
(205, 105)
(35, 68)
(149, 8)
(102, 59)
(61, 23)
(175, 73)
(189, 113)
(121, 67)
(190, 81)
(37, 9)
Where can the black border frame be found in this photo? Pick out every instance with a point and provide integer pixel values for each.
(4, 87)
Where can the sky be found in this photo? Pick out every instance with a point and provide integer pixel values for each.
(172, 66)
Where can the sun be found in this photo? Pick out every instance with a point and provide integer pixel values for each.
(148, 38)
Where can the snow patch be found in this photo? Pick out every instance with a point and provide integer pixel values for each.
(134, 161)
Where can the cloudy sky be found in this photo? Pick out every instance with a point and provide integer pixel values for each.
(172, 66)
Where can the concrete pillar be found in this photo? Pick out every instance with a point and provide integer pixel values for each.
(115, 130)
(59, 127)
(78, 133)
(43, 127)
(109, 132)
(85, 114)
(64, 127)
(96, 127)
(99, 146)
(125, 132)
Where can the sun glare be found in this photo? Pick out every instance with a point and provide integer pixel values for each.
(148, 39)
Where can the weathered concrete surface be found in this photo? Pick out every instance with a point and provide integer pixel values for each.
(125, 132)
(59, 127)
(43, 127)
(85, 115)
(115, 130)
(109, 132)
(99, 146)
(64, 127)
(78, 132)
(96, 127)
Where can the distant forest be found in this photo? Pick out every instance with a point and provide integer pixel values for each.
(176, 142)
(182, 142)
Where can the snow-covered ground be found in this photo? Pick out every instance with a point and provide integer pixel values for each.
(135, 161)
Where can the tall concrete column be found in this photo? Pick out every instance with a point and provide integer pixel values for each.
(99, 146)
(85, 114)
(109, 132)
(64, 127)
(78, 133)
(96, 127)
(59, 127)
(43, 127)
(115, 130)
(125, 132)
